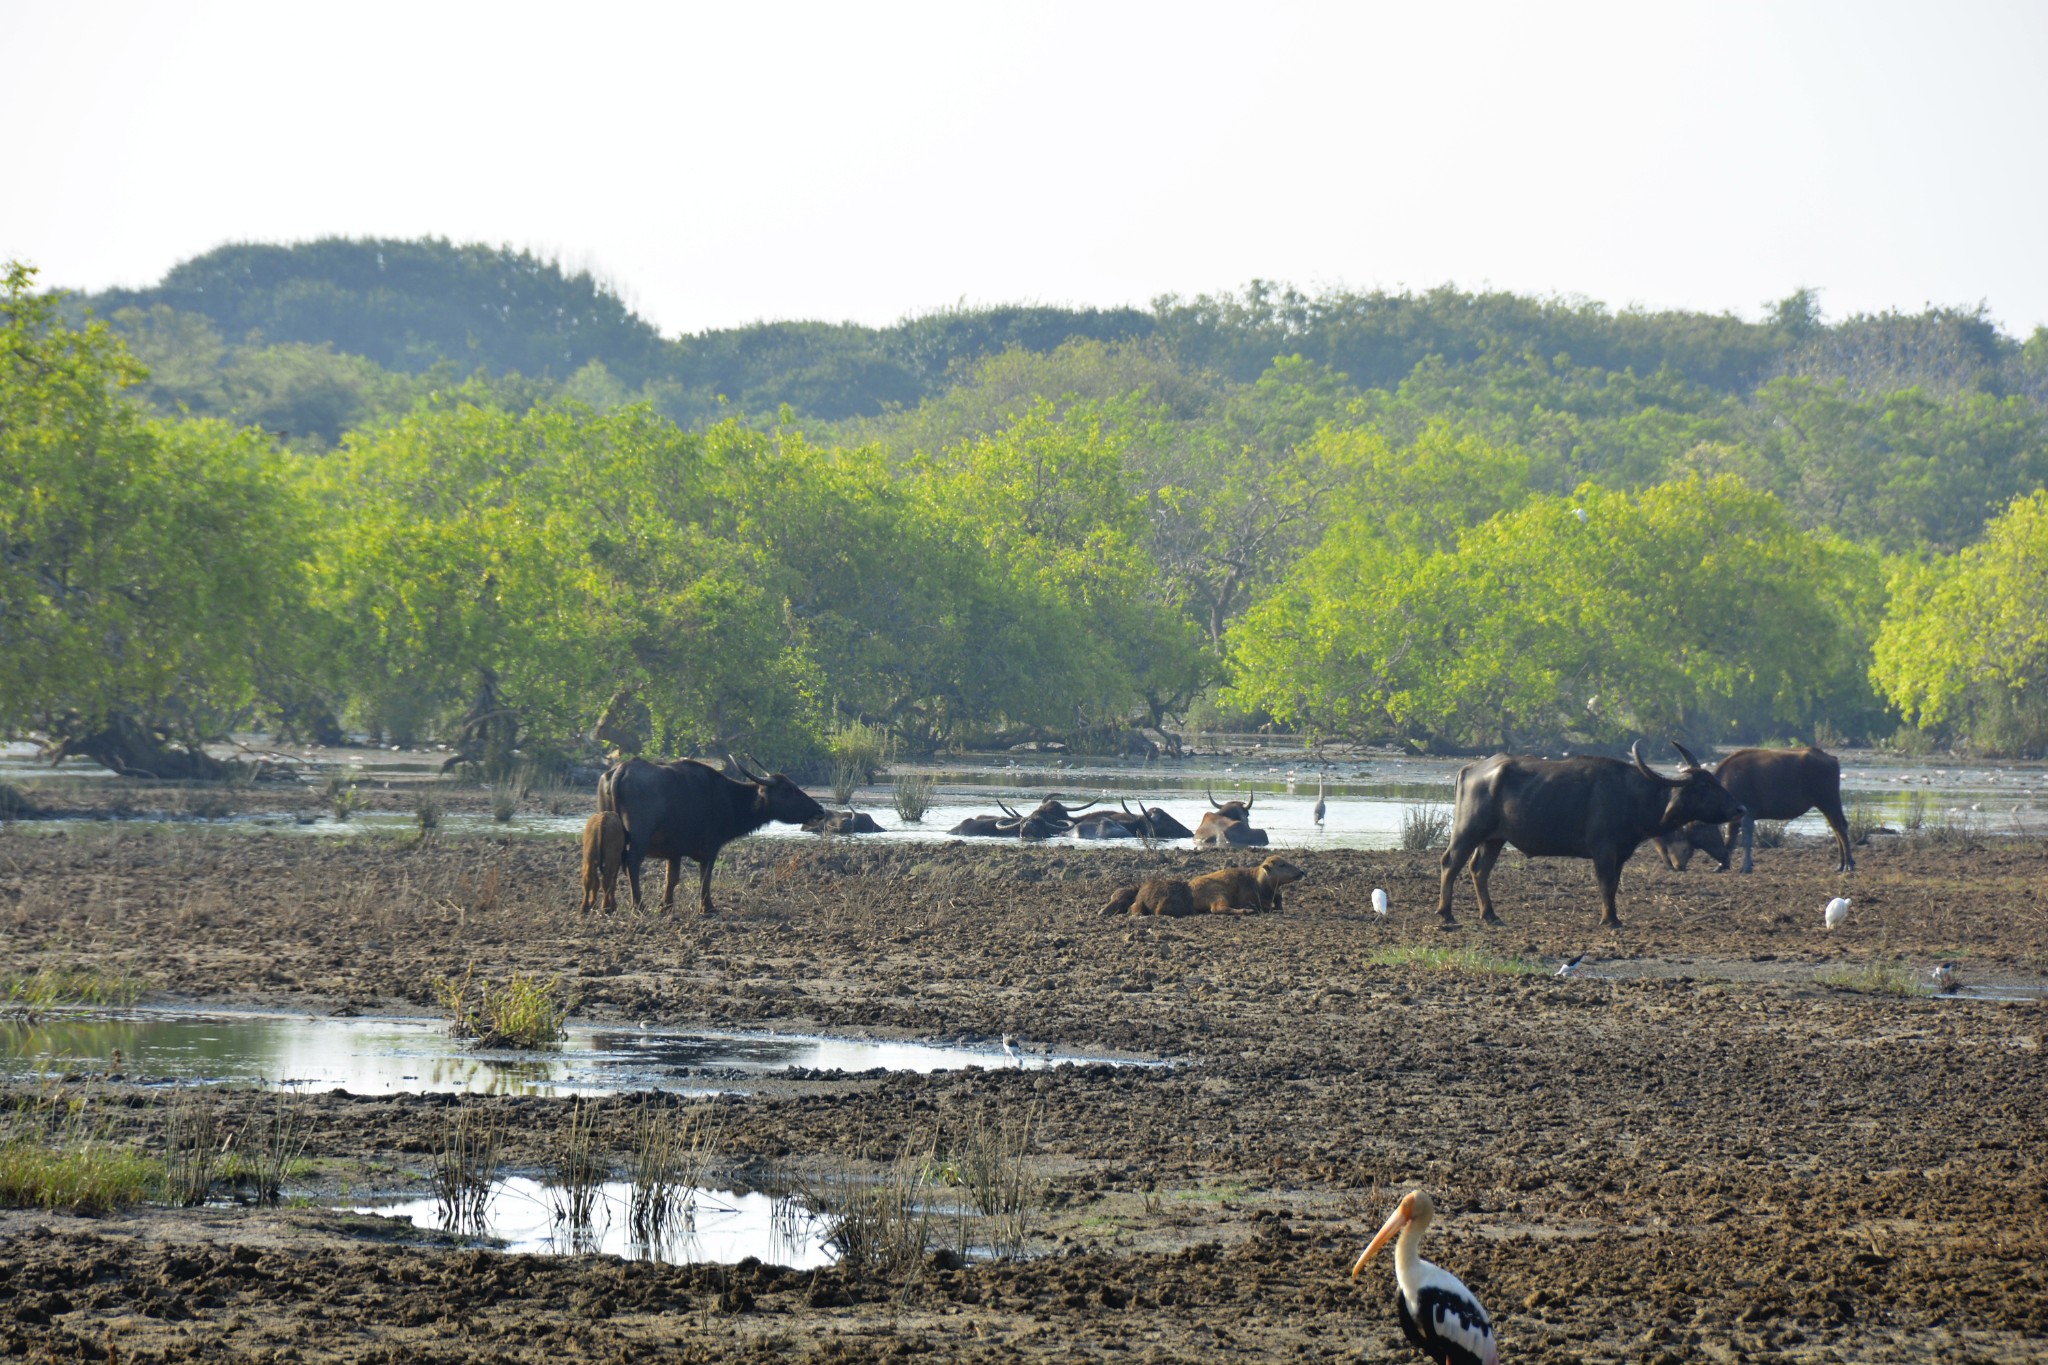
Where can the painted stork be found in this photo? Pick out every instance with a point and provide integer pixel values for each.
(1837, 911)
(1440, 1317)
(1379, 900)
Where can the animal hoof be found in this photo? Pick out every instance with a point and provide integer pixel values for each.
(1492, 918)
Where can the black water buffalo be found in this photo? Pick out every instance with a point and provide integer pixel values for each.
(1147, 822)
(986, 827)
(1679, 845)
(1047, 821)
(1229, 823)
(1583, 807)
(1771, 784)
(1784, 784)
(844, 822)
(688, 809)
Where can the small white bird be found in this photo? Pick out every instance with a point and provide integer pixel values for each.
(1010, 1049)
(1837, 911)
(1944, 978)
(1379, 900)
(1568, 968)
(1580, 513)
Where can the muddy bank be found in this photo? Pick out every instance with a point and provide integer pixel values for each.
(1728, 1159)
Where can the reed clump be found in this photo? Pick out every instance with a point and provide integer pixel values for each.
(1423, 827)
(526, 1012)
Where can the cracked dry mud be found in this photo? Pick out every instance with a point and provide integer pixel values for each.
(1704, 1156)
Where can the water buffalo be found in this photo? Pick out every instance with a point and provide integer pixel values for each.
(688, 809)
(1047, 820)
(1784, 784)
(1583, 807)
(604, 849)
(1226, 891)
(986, 827)
(1679, 845)
(1229, 823)
(844, 822)
(1145, 823)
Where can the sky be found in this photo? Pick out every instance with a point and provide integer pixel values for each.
(721, 164)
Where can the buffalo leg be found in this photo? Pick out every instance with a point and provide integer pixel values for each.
(704, 890)
(1748, 841)
(1453, 862)
(668, 891)
(1482, 872)
(633, 857)
(1607, 872)
(1839, 823)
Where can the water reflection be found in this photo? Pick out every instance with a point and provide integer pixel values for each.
(385, 1056)
(700, 1226)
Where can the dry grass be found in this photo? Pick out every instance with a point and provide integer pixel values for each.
(465, 1164)
(1424, 827)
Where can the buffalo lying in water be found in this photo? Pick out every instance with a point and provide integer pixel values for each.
(1229, 823)
(844, 822)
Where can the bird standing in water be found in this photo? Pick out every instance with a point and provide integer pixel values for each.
(1440, 1317)
(1321, 808)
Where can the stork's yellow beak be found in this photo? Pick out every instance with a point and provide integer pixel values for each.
(1404, 1213)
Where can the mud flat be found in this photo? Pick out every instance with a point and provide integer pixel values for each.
(1726, 1142)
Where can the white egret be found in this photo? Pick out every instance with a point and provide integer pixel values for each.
(1837, 911)
(1379, 900)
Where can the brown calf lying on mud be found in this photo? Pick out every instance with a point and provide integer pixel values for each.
(1228, 891)
(604, 850)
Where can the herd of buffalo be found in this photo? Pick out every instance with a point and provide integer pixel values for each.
(1596, 808)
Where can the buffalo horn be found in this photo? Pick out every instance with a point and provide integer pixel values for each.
(1635, 751)
(1249, 798)
(1692, 764)
(1211, 795)
(1005, 808)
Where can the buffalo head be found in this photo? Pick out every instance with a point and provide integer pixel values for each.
(776, 794)
(1696, 794)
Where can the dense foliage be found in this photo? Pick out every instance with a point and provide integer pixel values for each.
(1451, 520)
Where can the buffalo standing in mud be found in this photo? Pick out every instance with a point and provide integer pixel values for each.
(1583, 807)
(604, 851)
(1771, 784)
(688, 809)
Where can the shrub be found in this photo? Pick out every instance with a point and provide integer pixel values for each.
(1424, 827)
(526, 1013)
(912, 796)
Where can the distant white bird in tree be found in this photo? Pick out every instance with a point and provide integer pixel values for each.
(1580, 513)
(1837, 911)
(1568, 968)
(1440, 1317)
(1379, 900)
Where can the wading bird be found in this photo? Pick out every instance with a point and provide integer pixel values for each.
(1568, 968)
(1379, 900)
(1440, 1317)
(1944, 978)
(1010, 1048)
(1321, 808)
(1837, 911)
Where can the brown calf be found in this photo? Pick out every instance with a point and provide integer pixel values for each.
(1228, 891)
(604, 850)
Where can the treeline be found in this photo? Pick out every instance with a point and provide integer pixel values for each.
(1103, 536)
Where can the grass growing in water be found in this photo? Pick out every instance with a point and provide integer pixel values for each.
(14, 803)
(1460, 959)
(576, 1171)
(426, 809)
(465, 1163)
(880, 1227)
(858, 752)
(912, 795)
(527, 1012)
(1424, 827)
(1880, 976)
(673, 1152)
(1001, 1179)
(51, 985)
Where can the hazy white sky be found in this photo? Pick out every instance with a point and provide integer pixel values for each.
(720, 164)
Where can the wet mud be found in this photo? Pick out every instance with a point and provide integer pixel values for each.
(1703, 1152)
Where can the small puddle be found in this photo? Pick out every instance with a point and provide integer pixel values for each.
(390, 1056)
(692, 1226)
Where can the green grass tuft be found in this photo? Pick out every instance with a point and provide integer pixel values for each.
(1461, 959)
(527, 1012)
(88, 1176)
(51, 985)
(1881, 976)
